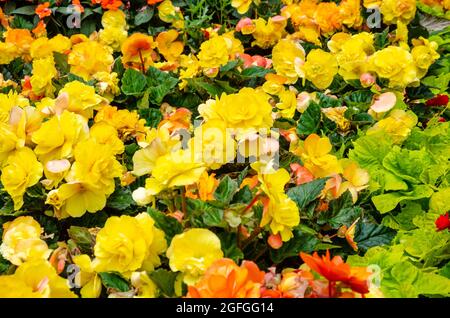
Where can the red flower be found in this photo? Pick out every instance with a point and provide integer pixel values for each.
(439, 100)
(443, 222)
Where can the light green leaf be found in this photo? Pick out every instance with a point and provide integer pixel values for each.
(387, 202)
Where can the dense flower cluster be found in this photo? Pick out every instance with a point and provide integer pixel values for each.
(247, 149)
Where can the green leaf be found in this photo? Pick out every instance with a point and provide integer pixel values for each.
(433, 284)
(404, 219)
(159, 85)
(61, 62)
(381, 39)
(213, 217)
(169, 225)
(301, 242)
(133, 82)
(20, 22)
(309, 120)
(255, 71)
(114, 281)
(439, 201)
(82, 237)
(407, 164)
(226, 190)
(25, 10)
(121, 199)
(307, 192)
(229, 247)
(143, 16)
(404, 272)
(360, 99)
(387, 202)
(368, 235)
(151, 115)
(326, 101)
(165, 280)
(229, 66)
(345, 217)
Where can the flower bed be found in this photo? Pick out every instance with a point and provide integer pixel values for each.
(213, 148)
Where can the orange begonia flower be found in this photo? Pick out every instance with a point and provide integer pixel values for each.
(43, 11)
(301, 174)
(152, 2)
(335, 270)
(225, 279)
(138, 52)
(109, 4)
(78, 5)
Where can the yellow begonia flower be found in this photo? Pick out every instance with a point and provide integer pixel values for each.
(424, 54)
(174, 169)
(168, 13)
(397, 125)
(213, 53)
(256, 114)
(280, 212)
(212, 144)
(44, 71)
(190, 68)
(87, 279)
(192, 252)
(57, 137)
(8, 52)
(320, 68)
(43, 279)
(267, 34)
(394, 11)
(8, 101)
(316, 158)
(274, 84)
(114, 19)
(22, 170)
(287, 104)
(105, 134)
(159, 142)
(126, 244)
(107, 84)
(144, 285)
(89, 182)
(113, 37)
(168, 46)
(350, 13)
(352, 58)
(357, 179)
(90, 57)
(241, 6)
(13, 287)
(395, 64)
(337, 115)
(287, 57)
(127, 123)
(82, 98)
(21, 241)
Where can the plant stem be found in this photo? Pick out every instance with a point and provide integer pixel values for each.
(142, 61)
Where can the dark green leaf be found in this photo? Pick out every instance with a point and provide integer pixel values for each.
(133, 82)
(168, 224)
(301, 242)
(151, 115)
(82, 237)
(26, 10)
(307, 192)
(121, 199)
(369, 234)
(165, 280)
(229, 247)
(159, 85)
(381, 39)
(255, 71)
(144, 16)
(226, 189)
(326, 101)
(114, 281)
(310, 120)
